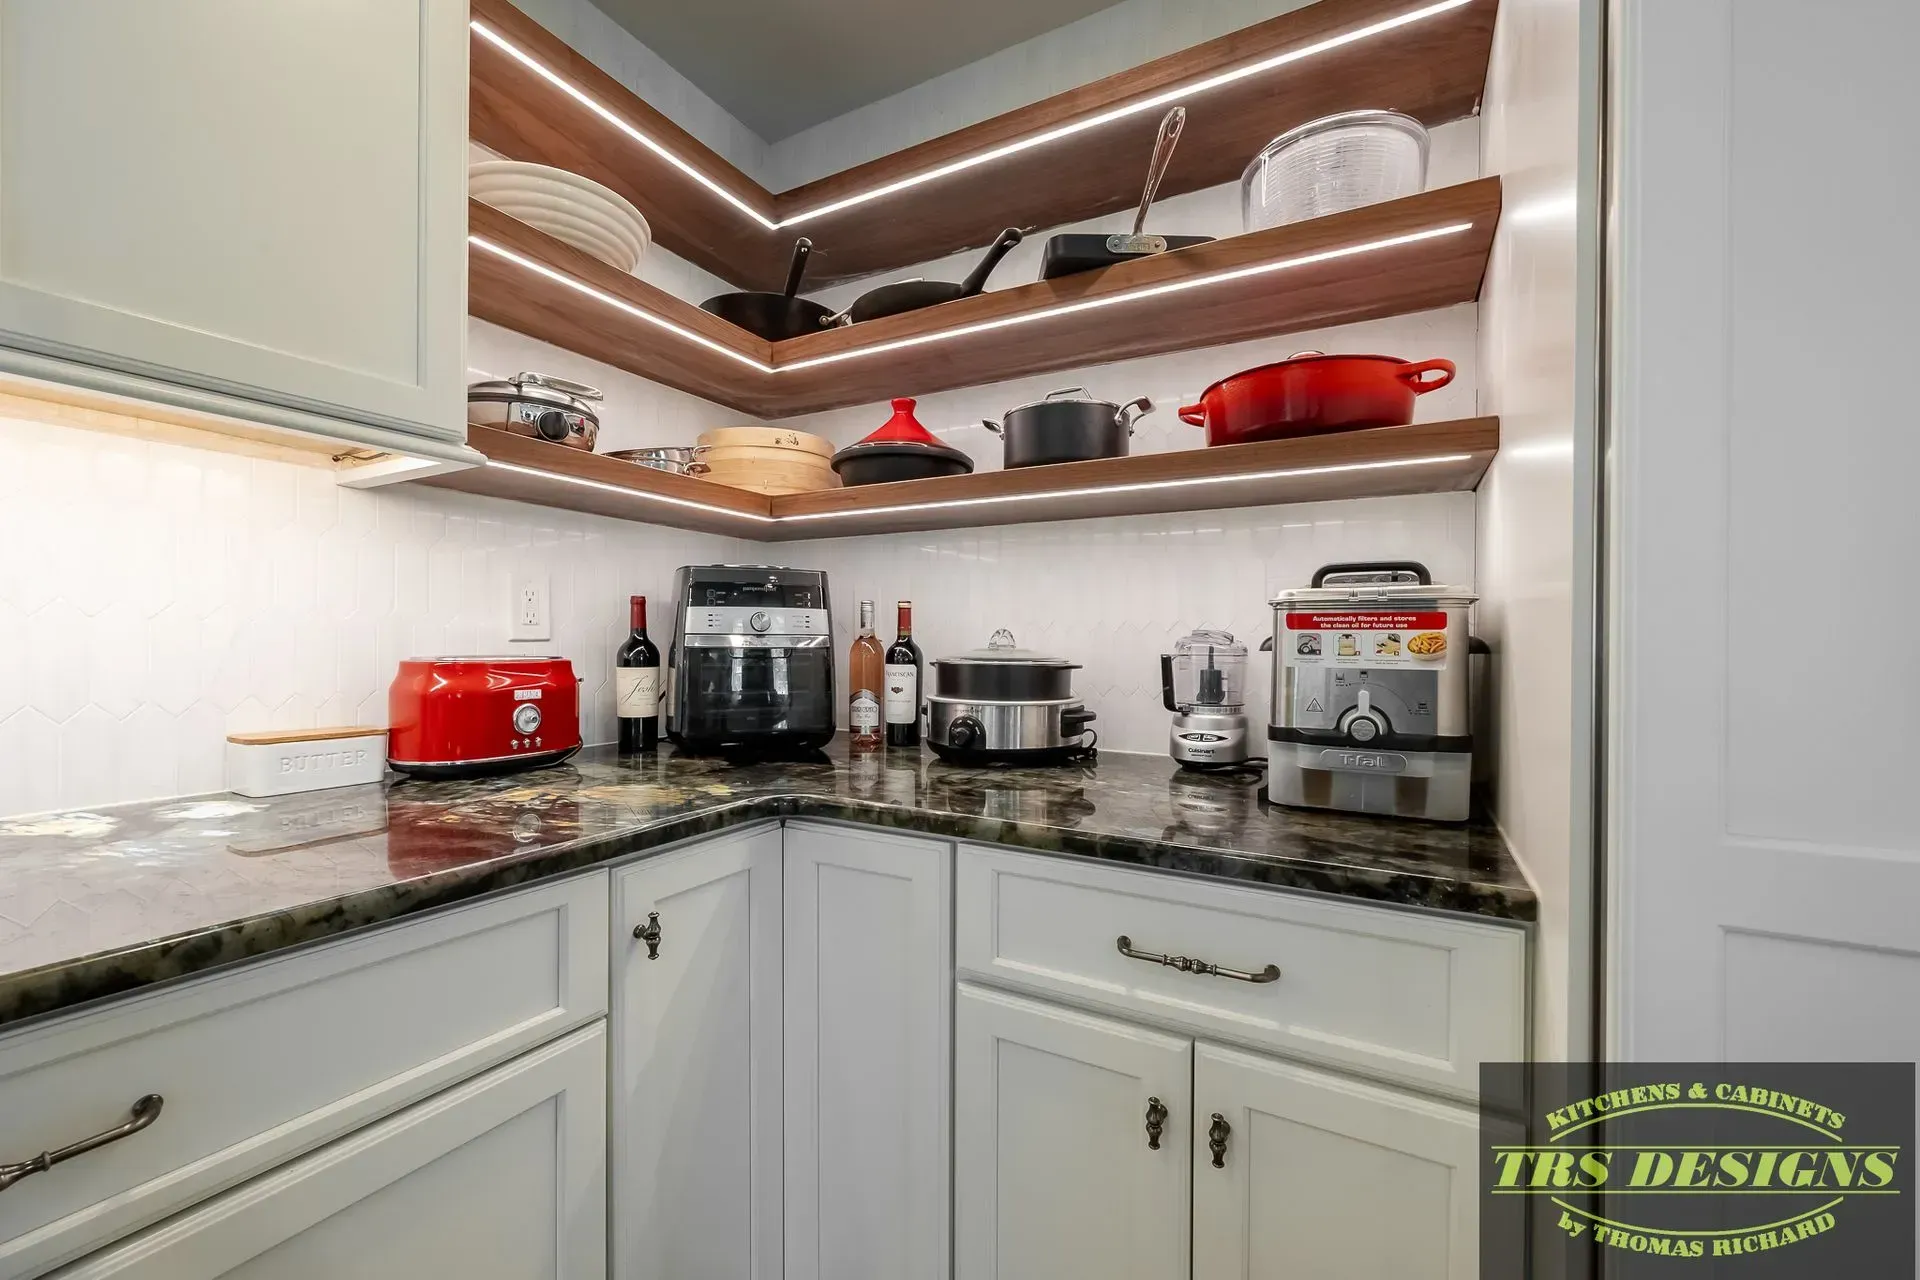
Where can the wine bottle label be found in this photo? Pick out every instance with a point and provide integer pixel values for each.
(865, 714)
(636, 692)
(903, 693)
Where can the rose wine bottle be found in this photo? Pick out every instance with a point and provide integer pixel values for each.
(637, 686)
(903, 683)
(866, 678)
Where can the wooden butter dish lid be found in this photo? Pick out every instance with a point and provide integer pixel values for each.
(273, 737)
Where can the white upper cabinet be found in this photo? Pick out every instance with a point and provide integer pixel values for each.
(257, 201)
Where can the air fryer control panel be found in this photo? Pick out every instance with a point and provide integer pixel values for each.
(1365, 704)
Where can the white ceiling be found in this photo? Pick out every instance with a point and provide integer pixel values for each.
(780, 66)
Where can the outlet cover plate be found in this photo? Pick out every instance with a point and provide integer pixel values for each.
(530, 608)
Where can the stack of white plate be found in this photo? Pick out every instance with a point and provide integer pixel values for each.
(566, 206)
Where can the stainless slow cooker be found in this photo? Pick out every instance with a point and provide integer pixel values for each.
(1371, 702)
(1005, 704)
(538, 406)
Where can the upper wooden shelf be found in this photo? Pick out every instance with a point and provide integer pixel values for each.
(1425, 251)
(1426, 59)
(1435, 457)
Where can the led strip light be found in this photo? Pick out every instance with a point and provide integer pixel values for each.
(631, 493)
(1140, 486)
(618, 304)
(1089, 491)
(967, 330)
(1166, 97)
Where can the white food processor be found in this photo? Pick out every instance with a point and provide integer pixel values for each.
(1203, 682)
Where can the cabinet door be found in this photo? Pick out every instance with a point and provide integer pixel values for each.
(1326, 1177)
(696, 1063)
(260, 200)
(502, 1178)
(1055, 1171)
(868, 994)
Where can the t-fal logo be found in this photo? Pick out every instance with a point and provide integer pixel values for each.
(1363, 761)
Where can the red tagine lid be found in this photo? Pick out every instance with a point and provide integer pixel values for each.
(903, 428)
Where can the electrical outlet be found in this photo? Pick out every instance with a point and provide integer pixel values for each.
(532, 608)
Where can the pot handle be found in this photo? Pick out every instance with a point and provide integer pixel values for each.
(1194, 415)
(1134, 410)
(1414, 375)
(991, 426)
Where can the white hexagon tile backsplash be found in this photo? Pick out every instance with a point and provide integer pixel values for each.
(155, 597)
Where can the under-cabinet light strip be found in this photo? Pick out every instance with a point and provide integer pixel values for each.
(983, 326)
(1167, 97)
(625, 492)
(1090, 491)
(619, 304)
(567, 87)
(1131, 295)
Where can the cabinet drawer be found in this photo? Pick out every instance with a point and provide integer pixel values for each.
(1395, 993)
(500, 1178)
(266, 1062)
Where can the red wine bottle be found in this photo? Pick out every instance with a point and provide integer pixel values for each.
(637, 686)
(903, 675)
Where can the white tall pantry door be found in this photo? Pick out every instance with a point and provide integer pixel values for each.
(1765, 633)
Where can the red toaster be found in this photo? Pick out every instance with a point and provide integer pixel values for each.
(467, 717)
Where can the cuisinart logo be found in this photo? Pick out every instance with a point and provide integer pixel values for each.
(1772, 1169)
(322, 761)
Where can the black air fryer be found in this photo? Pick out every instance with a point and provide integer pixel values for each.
(751, 663)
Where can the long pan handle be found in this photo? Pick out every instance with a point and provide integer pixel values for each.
(1170, 126)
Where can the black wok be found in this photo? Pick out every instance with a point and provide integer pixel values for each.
(912, 295)
(774, 316)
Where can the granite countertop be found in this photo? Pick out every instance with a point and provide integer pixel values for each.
(100, 902)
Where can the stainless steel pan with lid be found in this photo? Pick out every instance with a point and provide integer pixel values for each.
(538, 406)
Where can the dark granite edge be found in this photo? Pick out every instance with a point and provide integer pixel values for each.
(69, 986)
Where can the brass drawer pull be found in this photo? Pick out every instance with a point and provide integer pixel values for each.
(1187, 964)
(145, 1111)
(1156, 1122)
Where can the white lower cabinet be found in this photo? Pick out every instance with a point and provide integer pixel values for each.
(696, 1063)
(1272, 1171)
(1328, 1177)
(501, 1178)
(868, 1006)
(1070, 1147)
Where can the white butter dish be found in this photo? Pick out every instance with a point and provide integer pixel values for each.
(282, 762)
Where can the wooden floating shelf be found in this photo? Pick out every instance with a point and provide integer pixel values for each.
(1360, 265)
(1433, 68)
(1434, 457)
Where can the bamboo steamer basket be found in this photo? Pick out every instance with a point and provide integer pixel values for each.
(768, 460)
(783, 438)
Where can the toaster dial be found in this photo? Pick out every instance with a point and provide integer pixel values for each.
(526, 717)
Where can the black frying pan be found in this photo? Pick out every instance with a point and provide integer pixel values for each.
(774, 316)
(912, 295)
(1077, 251)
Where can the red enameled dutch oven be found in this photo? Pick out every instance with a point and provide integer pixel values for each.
(1314, 393)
